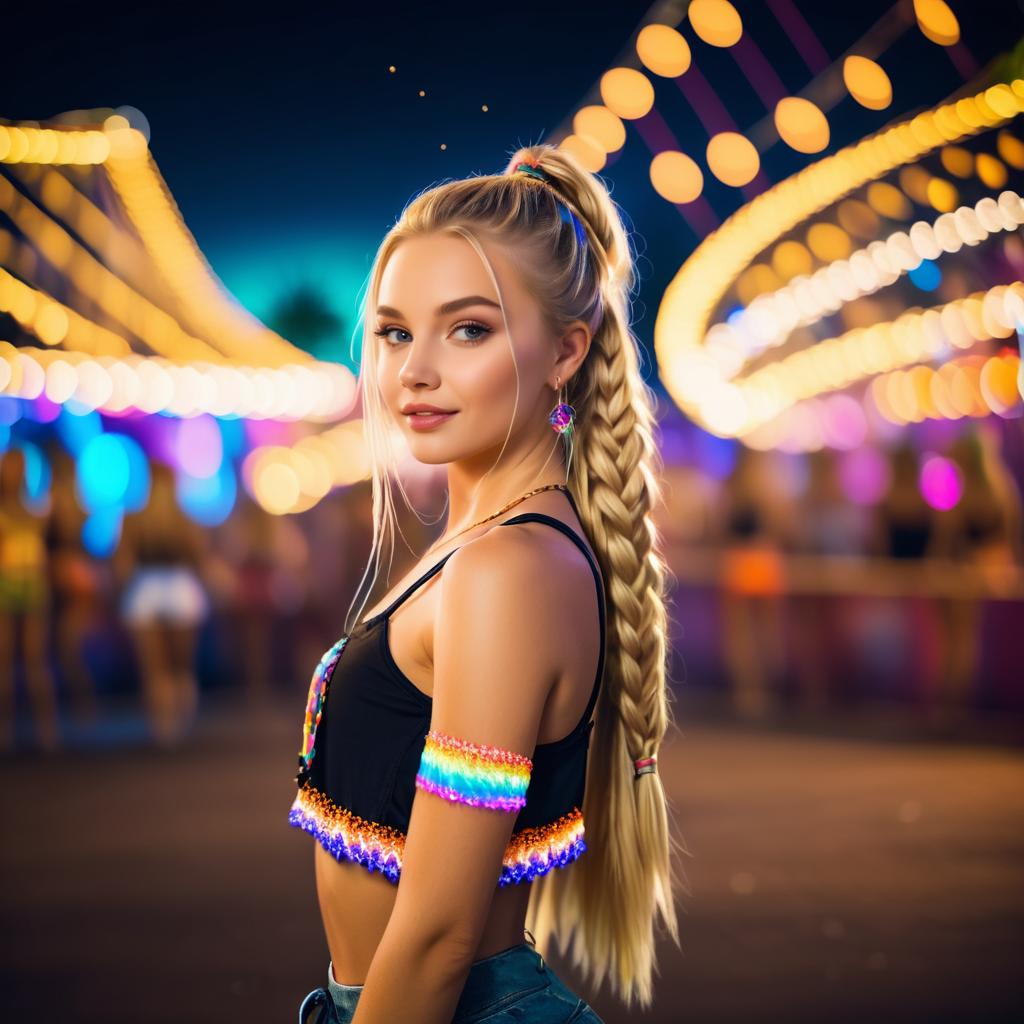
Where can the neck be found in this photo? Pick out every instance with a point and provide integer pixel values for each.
(478, 488)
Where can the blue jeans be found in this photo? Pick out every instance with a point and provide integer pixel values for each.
(507, 988)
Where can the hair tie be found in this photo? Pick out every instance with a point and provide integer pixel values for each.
(534, 170)
(645, 766)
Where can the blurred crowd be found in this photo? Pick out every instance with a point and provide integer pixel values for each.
(807, 584)
(827, 591)
(176, 610)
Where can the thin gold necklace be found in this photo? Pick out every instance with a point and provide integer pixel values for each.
(502, 511)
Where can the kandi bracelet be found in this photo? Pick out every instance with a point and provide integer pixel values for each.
(475, 774)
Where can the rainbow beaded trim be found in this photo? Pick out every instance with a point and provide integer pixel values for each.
(315, 706)
(531, 853)
(345, 835)
(473, 773)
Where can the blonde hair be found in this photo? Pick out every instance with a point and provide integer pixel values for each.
(579, 267)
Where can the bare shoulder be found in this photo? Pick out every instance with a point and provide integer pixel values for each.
(524, 558)
(526, 576)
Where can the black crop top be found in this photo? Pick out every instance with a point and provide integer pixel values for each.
(366, 727)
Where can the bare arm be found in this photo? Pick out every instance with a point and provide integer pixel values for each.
(489, 692)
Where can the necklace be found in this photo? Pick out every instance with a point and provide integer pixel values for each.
(504, 509)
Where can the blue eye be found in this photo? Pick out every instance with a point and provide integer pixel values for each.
(469, 325)
(472, 325)
(385, 331)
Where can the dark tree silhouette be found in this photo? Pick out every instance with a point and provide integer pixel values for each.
(305, 318)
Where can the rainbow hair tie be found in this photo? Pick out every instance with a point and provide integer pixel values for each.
(534, 170)
(473, 774)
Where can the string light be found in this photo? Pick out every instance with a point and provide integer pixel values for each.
(225, 362)
(703, 364)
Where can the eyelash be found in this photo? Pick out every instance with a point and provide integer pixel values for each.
(385, 331)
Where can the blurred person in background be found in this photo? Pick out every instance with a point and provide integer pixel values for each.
(75, 585)
(24, 607)
(905, 524)
(249, 547)
(903, 528)
(830, 525)
(158, 563)
(268, 557)
(752, 531)
(983, 531)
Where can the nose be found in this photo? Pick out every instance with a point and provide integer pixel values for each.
(417, 367)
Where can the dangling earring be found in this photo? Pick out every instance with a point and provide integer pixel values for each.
(562, 419)
(562, 416)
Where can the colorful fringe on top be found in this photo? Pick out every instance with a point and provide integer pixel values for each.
(474, 774)
(530, 853)
(315, 706)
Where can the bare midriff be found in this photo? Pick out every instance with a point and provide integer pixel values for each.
(356, 905)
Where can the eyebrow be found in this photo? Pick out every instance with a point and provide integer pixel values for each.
(449, 307)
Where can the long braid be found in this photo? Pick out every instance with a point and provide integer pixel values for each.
(616, 486)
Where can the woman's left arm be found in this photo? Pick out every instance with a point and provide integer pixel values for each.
(494, 666)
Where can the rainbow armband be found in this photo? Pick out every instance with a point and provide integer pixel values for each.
(474, 774)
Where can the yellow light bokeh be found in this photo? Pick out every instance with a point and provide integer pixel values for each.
(732, 158)
(942, 195)
(676, 177)
(717, 22)
(600, 127)
(914, 180)
(719, 372)
(627, 92)
(758, 279)
(991, 171)
(1010, 149)
(791, 258)
(663, 51)
(856, 218)
(51, 323)
(937, 21)
(801, 125)
(867, 82)
(828, 242)
(957, 161)
(588, 154)
(888, 201)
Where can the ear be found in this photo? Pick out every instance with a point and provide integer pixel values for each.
(572, 349)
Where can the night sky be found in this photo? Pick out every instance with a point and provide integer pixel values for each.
(291, 149)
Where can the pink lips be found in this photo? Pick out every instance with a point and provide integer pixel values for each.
(422, 421)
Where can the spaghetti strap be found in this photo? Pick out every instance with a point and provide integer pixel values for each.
(438, 566)
(541, 517)
(410, 590)
(524, 517)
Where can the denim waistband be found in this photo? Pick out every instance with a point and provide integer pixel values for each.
(491, 982)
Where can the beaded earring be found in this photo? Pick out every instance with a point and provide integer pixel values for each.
(563, 416)
(562, 419)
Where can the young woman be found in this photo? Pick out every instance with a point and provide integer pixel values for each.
(159, 561)
(446, 736)
(25, 601)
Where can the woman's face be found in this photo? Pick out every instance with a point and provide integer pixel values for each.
(436, 349)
